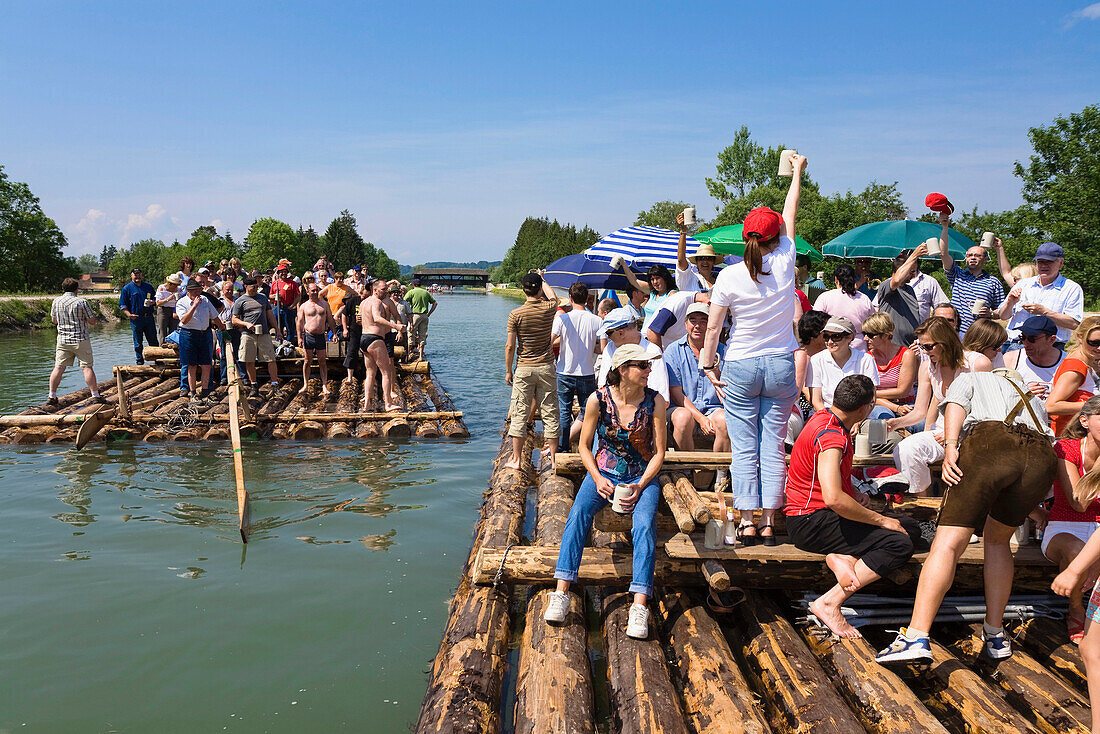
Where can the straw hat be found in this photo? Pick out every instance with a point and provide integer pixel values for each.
(705, 250)
(174, 279)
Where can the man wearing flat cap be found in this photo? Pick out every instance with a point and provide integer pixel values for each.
(1049, 294)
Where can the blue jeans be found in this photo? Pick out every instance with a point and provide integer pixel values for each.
(569, 386)
(759, 395)
(143, 326)
(235, 347)
(644, 533)
(287, 319)
(881, 413)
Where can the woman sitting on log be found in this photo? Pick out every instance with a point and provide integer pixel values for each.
(826, 515)
(627, 419)
(1075, 514)
(897, 368)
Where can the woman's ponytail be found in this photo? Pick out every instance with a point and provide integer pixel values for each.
(754, 258)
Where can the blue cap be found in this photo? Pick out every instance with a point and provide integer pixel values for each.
(1036, 325)
(617, 318)
(1049, 251)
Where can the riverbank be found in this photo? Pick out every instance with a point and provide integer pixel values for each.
(31, 313)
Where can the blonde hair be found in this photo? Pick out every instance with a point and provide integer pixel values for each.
(1088, 486)
(878, 323)
(984, 334)
(1024, 270)
(1081, 333)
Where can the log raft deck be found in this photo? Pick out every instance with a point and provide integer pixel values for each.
(144, 404)
(500, 667)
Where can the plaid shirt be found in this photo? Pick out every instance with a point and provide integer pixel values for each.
(72, 313)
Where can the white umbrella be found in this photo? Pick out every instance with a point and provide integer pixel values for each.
(648, 245)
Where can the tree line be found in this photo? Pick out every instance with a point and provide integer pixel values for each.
(540, 242)
(31, 243)
(268, 241)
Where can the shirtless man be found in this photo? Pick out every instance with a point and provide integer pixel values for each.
(377, 322)
(314, 319)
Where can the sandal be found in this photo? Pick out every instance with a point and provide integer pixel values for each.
(723, 602)
(1076, 629)
(768, 540)
(744, 535)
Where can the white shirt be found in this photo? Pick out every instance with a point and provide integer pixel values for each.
(827, 374)
(929, 295)
(578, 330)
(200, 321)
(762, 313)
(677, 304)
(1063, 296)
(658, 376)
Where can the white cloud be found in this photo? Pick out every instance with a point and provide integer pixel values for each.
(139, 224)
(1090, 12)
(98, 228)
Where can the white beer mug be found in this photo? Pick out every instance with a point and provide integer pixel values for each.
(622, 491)
(933, 245)
(689, 217)
(786, 168)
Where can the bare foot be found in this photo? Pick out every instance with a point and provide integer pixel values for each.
(512, 464)
(844, 568)
(392, 409)
(833, 619)
(326, 393)
(303, 390)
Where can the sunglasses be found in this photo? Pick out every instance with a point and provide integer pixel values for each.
(640, 365)
(868, 335)
(928, 347)
(1093, 342)
(834, 337)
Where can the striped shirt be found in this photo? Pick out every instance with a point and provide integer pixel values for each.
(72, 313)
(531, 323)
(965, 287)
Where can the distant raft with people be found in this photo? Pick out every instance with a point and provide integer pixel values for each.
(143, 403)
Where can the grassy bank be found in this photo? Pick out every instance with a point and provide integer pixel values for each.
(17, 314)
(509, 293)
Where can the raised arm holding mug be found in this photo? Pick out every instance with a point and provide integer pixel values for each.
(974, 292)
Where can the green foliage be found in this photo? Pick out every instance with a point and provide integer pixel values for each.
(106, 255)
(88, 263)
(30, 242)
(540, 242)
(269, 240)
(205, 245)
(343, 245)
(310, 244)
(1061, 183)
(662, 214)
(741, 167)
(150, 255)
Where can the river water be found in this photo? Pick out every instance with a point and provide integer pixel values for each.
(130, 604)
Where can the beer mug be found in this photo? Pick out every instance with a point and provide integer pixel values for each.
(689, 217)
(987, 240)
(622, 491)
(933, 245)
(786, 168)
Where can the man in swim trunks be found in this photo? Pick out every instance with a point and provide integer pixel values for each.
(377, 322)
(314, 319)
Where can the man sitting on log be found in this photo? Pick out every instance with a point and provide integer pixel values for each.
(826, 515)
(995, 478)
(694, 400)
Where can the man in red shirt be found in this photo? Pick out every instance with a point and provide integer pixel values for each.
(284, 297)
(826, 515)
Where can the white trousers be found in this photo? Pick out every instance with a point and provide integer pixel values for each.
(913, 455)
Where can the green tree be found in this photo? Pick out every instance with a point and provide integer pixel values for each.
(1061, 183)
(205, 244)
(88, 263)
(540, 242)
(343, 245)
(30, 242)
(310, 244)
(662, 214)
(268, 241)
(741, 167)
(106, 255)
(148, 255)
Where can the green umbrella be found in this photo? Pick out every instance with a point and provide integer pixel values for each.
(728, 241)
(888, 239)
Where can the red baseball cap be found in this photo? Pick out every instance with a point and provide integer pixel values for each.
(939, 203)
(763, 222)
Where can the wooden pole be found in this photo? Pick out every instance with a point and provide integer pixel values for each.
(244, 514)
(599, 566)
(684, 521)
(717, 697)
(450, 428)
(123, 401)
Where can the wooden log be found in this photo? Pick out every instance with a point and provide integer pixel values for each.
(282, 429)
(684, 521)
(451, 428)
(570, 463)
(219, 431)
(464, 685)
(716, 575)
(161, 352)
(1041, 696)
(880, 699)
(716, 696)
(396, 428)
(554, 682)
(599, 566)
(202, 423)
(416, 400)
(699, 509)
(345, 403)
(611, 521)
(798, 696)
(71, 407)
(962, 700)
(1046, 640)
(63, 401)
(642, 697)
(311, 429)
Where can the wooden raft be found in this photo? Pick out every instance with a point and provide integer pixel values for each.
(143, 403)
(753, 670)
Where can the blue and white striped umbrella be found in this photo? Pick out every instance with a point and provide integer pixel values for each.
(648, 245)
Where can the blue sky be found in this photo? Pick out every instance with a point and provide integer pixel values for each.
(442, 125)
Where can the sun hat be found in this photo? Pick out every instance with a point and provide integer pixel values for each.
(839, 325)
(351, 273)
(705, 250)
(697, 308)
(939, 203)
(631, 353)
(1036, 325)
(174, 279)
(616, 318)
(1049, 251)
(763, 222)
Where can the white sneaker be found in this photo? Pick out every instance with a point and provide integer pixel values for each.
(637, 625)
(558, 608)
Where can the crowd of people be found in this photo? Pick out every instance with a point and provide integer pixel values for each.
(218, 314)
(987, 394)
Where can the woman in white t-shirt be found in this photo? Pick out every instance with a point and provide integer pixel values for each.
(837, 361)
(757, 377)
